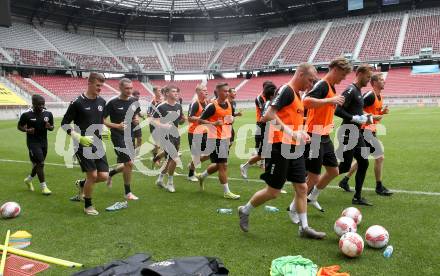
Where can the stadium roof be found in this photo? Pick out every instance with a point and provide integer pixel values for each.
(172, 5)
(190, 16)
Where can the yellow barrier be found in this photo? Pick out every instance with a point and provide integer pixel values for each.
(7, 97)
(39, 257)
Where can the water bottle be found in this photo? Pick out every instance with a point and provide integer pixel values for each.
(224, 211)
(388, 251)
(271, 209)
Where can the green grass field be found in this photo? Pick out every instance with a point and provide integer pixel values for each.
(186, 223)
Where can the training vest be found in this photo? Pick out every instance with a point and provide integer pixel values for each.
(320, 120)
(293, 117)
(195, 127)
(258, 113)
(225, 115)
(375, 109)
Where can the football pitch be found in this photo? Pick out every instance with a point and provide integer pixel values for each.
(186, 223)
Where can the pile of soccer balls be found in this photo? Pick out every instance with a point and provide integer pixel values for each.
(351, 243)
(10, 210)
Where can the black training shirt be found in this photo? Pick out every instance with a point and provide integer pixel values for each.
(37, 121)
(164, 109)
(85, 112)
(353, 105)
(116, 109)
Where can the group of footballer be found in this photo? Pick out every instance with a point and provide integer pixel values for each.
(293, 127)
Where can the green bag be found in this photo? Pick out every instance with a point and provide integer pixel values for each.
(293, 266)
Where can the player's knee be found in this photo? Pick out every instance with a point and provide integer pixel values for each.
(333, 171)
(380, 159)
(129, 165)
(301, 190)
(101, 176)
(92, 176)
(272, 193)
(312, 177)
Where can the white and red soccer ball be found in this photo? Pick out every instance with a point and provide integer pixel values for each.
(351, 244)
(10, 210)
(344, 225)
(353, 213)
(377, 236)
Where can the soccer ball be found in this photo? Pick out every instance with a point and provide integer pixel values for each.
(353, 213)
(344, 225)
(377, 236)
(10, 210)
(351, 244)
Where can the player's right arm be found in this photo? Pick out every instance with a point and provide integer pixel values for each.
(192, 112)
(317, 97)
(70, 115)
(22, 124)
(107, 121)
(283, 98)
(206, 114)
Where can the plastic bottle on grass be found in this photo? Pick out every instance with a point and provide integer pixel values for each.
(271, 209)
(388, 251)
(224, 211)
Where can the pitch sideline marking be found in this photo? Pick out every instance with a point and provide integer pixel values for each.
(240, 179)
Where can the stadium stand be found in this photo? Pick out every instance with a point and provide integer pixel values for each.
(234, 53)
(190, 56)
(401, 82)
(3, 59)
(68, 88)
(84, 52)
(308, 34)
(147, 57)
(26, 86)
(254, 86)
(382, 36)
(26, 47)
(120, 50)
(340, 39)
(114, 83)
(422, 31)
(266, 50)
(187, 87)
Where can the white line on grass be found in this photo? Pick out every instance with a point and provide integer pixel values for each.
(240, 179)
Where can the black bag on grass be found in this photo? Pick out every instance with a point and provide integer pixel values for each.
(188, 266)
(131, 266)
(142, 264)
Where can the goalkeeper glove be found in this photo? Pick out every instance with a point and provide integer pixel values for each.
(105, 133)
(85, 141)
(359, 119)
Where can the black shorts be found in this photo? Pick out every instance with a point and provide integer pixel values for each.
(374, 145)
(37, 152)
(279, 169)
(220, 153)
(346, 156)
(232, 139)
(191, 137)
(89, 165)
(137, 133)
(326, 156)
(173, 148)
(122, 157)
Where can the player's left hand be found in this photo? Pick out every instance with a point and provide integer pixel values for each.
(48, 126)
(386, 110)
(377, 117)
(135, 120)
